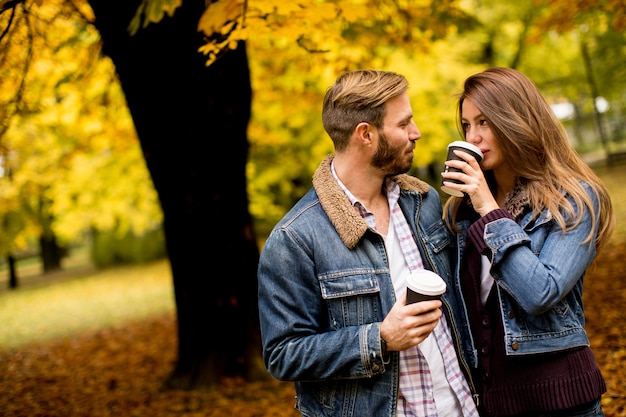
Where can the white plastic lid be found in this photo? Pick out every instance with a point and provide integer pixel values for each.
(426, 282)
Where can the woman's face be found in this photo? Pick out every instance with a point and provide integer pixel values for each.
(479, 133)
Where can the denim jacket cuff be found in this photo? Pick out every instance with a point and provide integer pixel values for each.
(477, 229)
(378, 355)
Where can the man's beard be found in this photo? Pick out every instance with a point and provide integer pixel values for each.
(390, 160)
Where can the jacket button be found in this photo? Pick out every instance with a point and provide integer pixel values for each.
(511, 314)
(515, 345)
(375, 368)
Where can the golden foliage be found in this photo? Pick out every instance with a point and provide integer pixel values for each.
(71, 157)
(152, 11)
(77, 124)
(325, 26)
(566, 15)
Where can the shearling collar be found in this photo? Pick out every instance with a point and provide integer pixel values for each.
(517, 201)
(348, 223)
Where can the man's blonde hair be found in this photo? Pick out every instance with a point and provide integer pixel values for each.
(356, 97)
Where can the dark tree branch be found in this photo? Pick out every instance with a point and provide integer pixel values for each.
(11, 4)
(5, 8)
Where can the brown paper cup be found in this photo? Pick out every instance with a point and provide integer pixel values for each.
(460, 146)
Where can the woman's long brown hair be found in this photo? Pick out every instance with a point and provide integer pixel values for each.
(536, 148)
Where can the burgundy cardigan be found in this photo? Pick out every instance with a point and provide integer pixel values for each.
(525, 384)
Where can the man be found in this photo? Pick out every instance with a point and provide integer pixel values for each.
(332, 274)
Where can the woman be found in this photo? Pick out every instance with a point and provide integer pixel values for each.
(531, 221)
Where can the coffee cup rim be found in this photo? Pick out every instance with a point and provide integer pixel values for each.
(466, 145)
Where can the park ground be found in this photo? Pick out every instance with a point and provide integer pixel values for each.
(119, 371)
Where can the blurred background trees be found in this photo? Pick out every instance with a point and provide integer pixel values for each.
(69, 158)
(100, 147)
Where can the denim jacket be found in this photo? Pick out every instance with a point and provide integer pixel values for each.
(538, 272)
(324, 288)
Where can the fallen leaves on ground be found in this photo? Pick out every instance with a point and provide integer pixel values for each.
(605, 297)
(120, 372)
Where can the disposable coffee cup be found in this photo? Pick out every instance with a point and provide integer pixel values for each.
(422, 285)
(459, 145)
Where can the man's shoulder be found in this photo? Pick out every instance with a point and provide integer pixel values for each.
(409, 182)
(304, 204)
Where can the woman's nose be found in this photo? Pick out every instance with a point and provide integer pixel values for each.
(472, 136)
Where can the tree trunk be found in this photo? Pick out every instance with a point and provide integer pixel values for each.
(51, 252)
(13, 281)
(595, 94)
(192, 124)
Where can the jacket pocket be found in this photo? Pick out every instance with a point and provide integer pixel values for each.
(352, 299)
(437, 237)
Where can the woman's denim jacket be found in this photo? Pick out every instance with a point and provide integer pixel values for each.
(538, 272)
(324, 288)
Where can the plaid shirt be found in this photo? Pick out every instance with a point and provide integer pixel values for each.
(416, 385)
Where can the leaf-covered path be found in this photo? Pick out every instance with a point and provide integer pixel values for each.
(119, 372)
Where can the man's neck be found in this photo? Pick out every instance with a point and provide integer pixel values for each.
(366, 185)
(364, 182)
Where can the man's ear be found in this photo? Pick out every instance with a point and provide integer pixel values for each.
(364, 132)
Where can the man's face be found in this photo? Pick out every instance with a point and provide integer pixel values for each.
(394, 153)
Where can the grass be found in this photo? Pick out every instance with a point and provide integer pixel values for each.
(39, 311)
(81, 299)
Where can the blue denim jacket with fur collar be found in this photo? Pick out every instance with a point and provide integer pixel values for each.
(324, 288)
